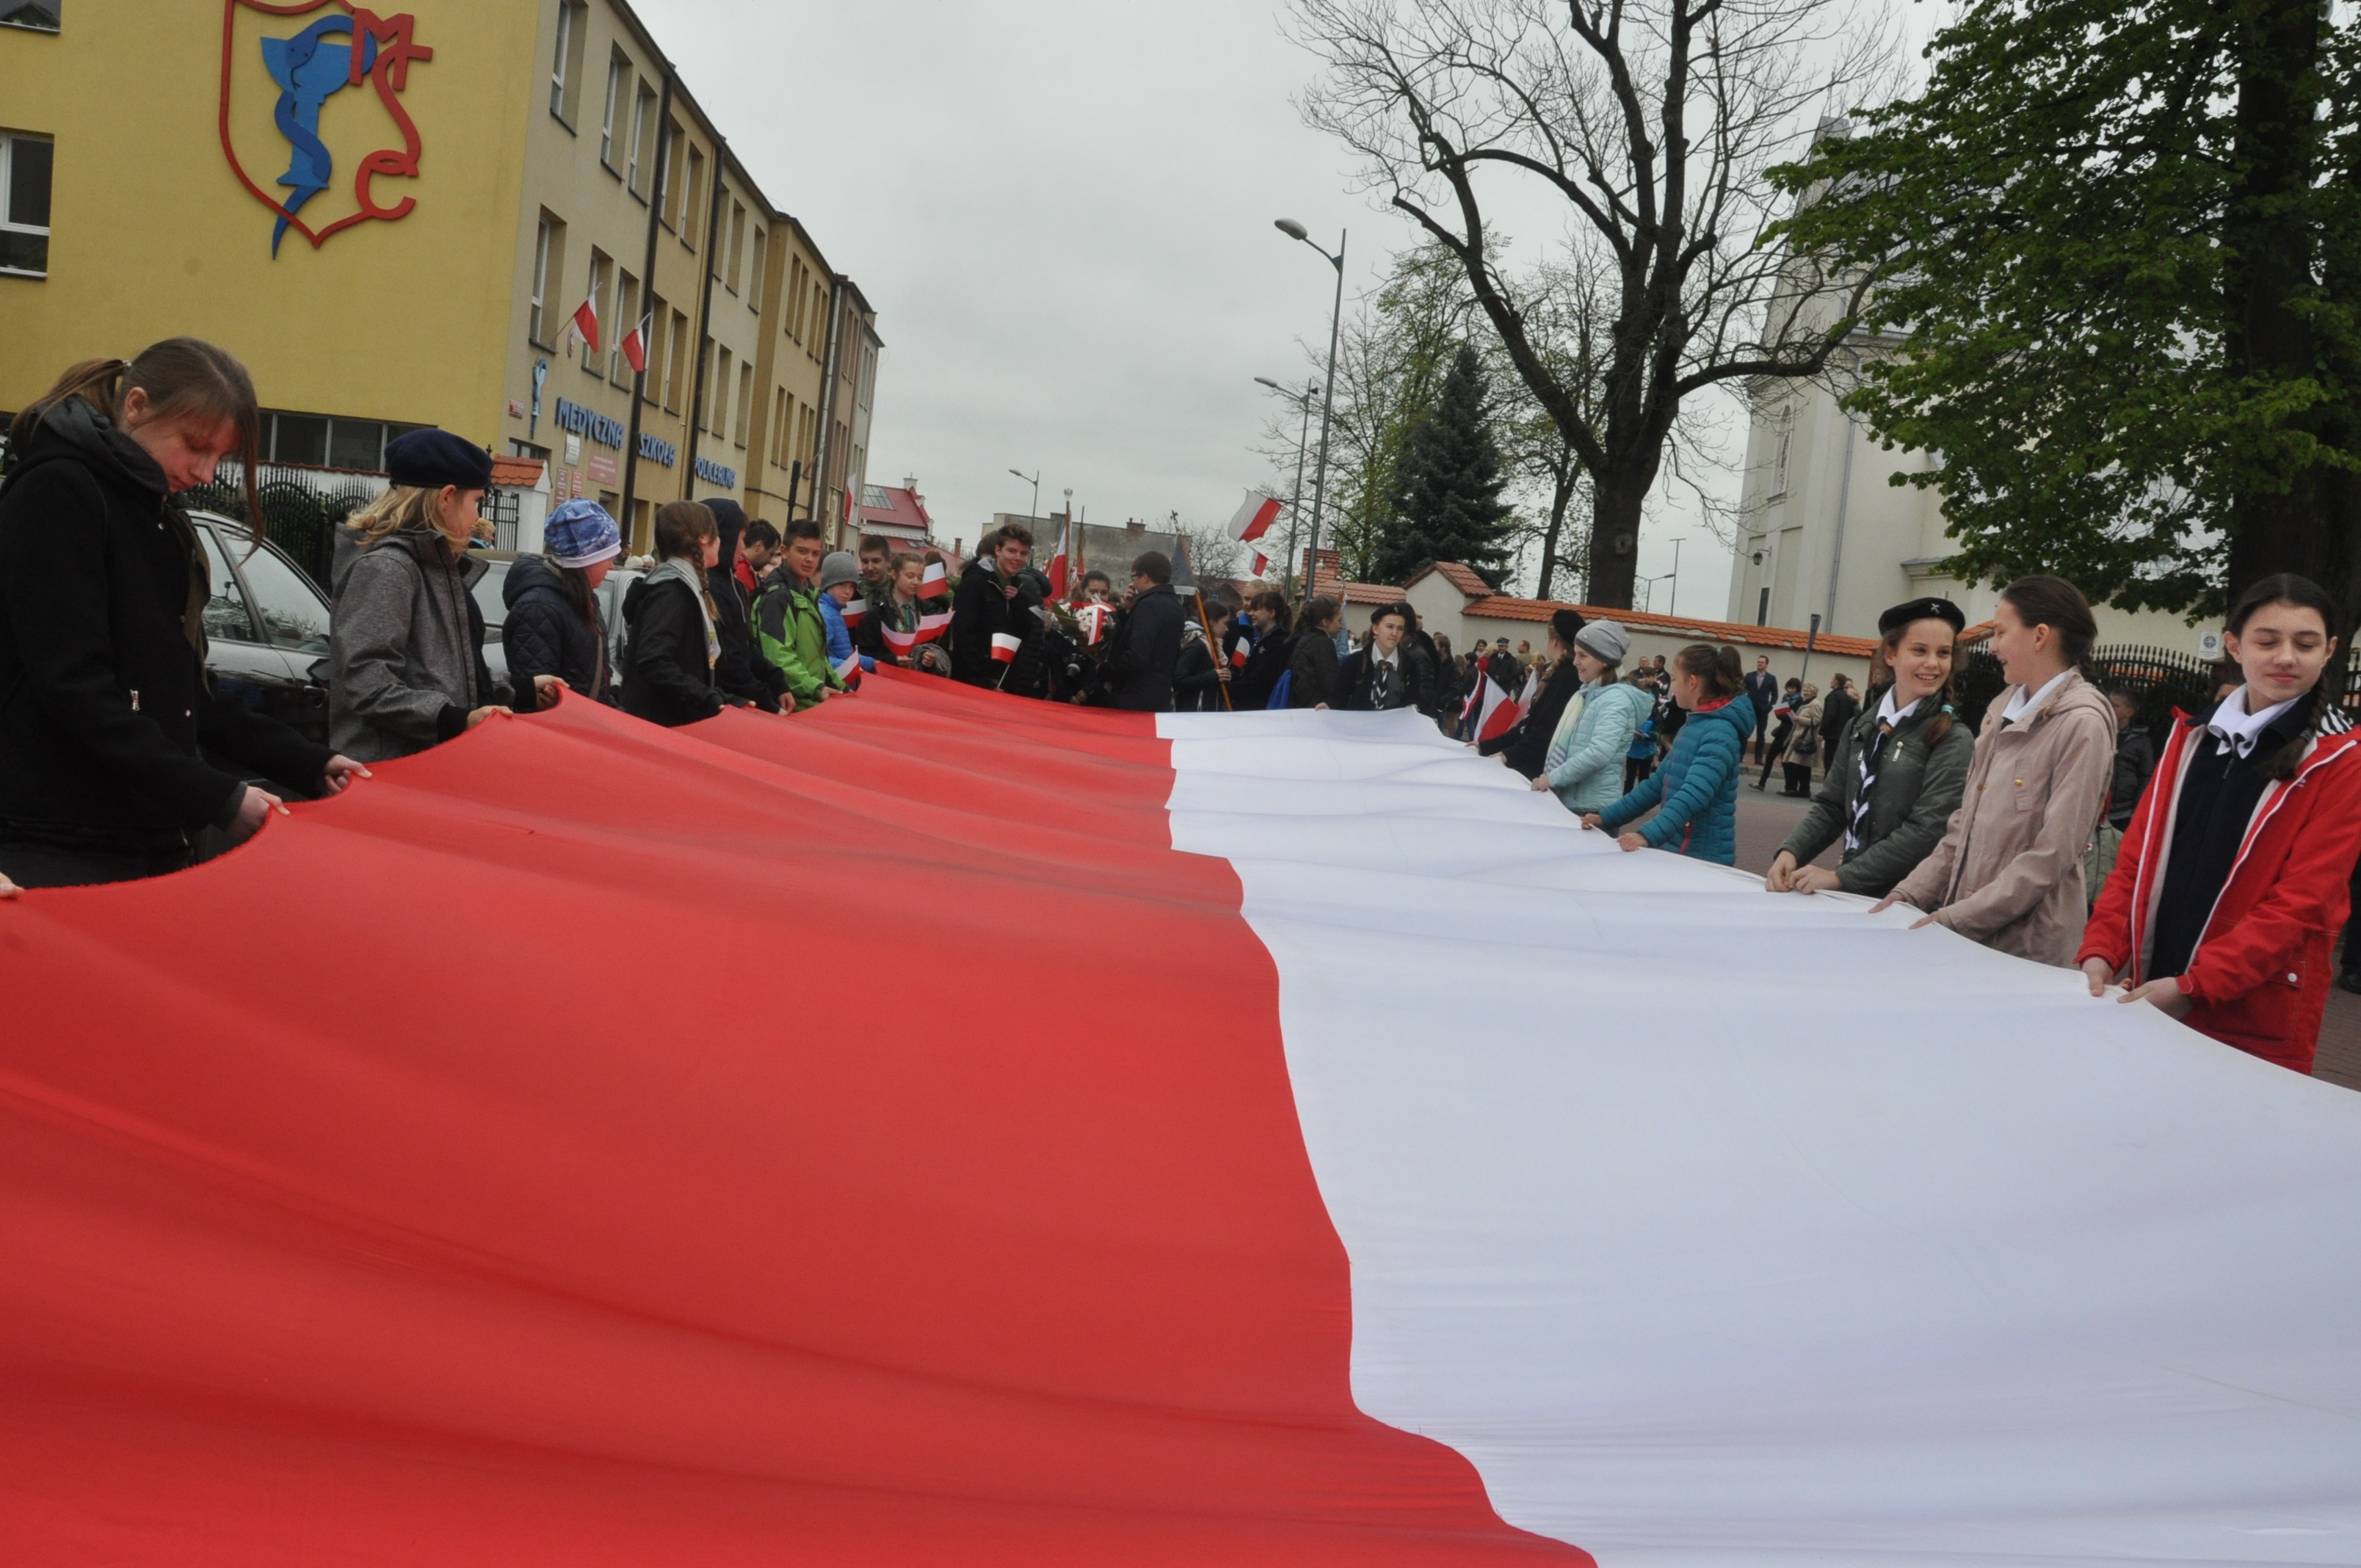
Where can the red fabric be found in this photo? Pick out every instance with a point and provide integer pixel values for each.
(744, 574)
(532, 1157)
(2261, 972)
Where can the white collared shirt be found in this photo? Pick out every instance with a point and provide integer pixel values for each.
(2237, 729)
(1889, 713)
(2025, 701)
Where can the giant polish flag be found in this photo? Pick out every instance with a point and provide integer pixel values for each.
(397, 1191)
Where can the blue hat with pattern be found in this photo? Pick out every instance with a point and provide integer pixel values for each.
(581, 533)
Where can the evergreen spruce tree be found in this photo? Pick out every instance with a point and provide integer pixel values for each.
(1447, 506)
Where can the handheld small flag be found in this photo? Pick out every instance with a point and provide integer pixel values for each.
(1094, 618)
(1057, 563)
(1253, 520)
(848, 672)
(936, 582)
(635, 344)
(855, 610)
(904, 643)
(585, 322)
(1237, 655)
(1262, 561)
(1005, 647)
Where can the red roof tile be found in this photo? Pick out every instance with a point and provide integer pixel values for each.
(1500, 607)
(516, 472)
(1463, 578)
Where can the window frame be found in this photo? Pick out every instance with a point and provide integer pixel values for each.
(8, 225)
(538, 292)
(619, 80)
(565, 67)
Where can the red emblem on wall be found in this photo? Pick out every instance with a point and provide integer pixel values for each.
(345, 50)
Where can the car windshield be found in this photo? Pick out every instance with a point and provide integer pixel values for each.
(294, 616)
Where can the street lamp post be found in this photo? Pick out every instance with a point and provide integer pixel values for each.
(1676, 575)
(1295, 501)
(1036, 482)
(1296, 231)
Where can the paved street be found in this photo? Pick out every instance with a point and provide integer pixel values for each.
(1764, 819)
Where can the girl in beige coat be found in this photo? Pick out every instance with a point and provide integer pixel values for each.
(2009, 870)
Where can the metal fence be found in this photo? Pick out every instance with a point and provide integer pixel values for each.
(301, 509)
(2162, 680)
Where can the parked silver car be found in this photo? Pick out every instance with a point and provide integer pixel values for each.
(266, 626)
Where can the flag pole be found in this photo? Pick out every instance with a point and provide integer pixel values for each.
(1214, 650)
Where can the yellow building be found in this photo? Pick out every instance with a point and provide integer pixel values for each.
(393, 219)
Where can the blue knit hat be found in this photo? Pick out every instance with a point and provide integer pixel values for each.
(581, 533)
(430, 460)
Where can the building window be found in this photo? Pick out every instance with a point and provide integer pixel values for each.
(317, 440)
(745, 405)
(737, 243)
(778, 431)
(762, 259)
(627, 316)
(619, 82)
(40, 16)
(355, 443)
(25, 204)
(668, 149)
(691, 194)
(548, 270)
(600, 266)
(642, 128)
(565, 64)
(717, 407)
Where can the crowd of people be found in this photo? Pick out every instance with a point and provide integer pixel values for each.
(2209, 878)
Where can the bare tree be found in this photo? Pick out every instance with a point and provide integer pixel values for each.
(1652, 123)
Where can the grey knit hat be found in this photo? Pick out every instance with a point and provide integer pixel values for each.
(837, 566)
(1604, 640)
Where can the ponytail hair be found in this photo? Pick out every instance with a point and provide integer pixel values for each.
(184, 378)
(2058, 604)
(1718, 668)
(2314, 713)
(1316, 611)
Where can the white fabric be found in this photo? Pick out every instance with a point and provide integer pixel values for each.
(2021, 702)
(1889, 713)
(1722, 1228)
(2237, 729)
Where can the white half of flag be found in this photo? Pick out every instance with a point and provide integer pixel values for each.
(1254, 518)
(1005, 647)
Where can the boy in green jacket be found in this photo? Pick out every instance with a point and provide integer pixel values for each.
(788, 625)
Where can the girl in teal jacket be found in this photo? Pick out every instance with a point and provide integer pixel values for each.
(1698, 785)
(1584, 762)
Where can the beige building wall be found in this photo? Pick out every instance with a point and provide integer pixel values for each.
(785, 433)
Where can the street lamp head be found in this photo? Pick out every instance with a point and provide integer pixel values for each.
(1014, 474)
(1292, 229)
(1267, 381)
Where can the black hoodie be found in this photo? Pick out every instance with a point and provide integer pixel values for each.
(739, 675)
(104, 702)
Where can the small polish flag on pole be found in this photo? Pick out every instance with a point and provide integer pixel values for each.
(936, 582)
(1057, 562)
(933, 626)
(1254, 519)
(585, 322)
(1094, 618)
(854, 610)
(1237, 655)
(1005, 647)
(635, 344)
(849, 671)
(1262, 561)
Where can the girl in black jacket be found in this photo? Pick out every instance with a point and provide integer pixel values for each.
(1524, 745)
(104, 701)
(1197, 678)
(554, 626)
(668, 678)
(1316, 675)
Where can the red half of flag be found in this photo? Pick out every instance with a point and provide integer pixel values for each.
(854, 611)
(1254, 516)
(1499, 712)
(1057, 563)
(936, 583)
(1005, 647)
(585, 322)
(1262, 561)
(635, 345)
(1237, 655)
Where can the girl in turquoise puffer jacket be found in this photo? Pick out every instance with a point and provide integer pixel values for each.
(1698, 785)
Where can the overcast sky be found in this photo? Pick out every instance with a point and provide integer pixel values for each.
(1062, 214)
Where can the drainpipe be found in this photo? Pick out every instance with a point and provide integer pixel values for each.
(647, 292)
(705, 317)
(826, 448)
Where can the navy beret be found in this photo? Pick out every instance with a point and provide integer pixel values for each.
(430, 460)
(1902, 615)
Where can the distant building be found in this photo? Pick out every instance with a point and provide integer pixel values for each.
(900, 512)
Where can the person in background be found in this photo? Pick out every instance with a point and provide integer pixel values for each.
(1448, 667)
(1097, 587)
(1784, 712)
(2009, 870)
(758, 556)
(554, 625)
(1270, 647)
(1763, 687)
(2348, 977)
(1203, 670)
(876, 559)
(1525, 744)
(406, 637)
(742, 676)
(2233, 881)
(842, 582)
(2135, 760)
(1838, 710)
(107, 715)
(1389, 673)
(1641, 760)
(1593, 737)
(1803, 746)
(1316, 675)
(1145, 645)
(997, 597)
(1697, 787)
(1899, 769)
(789, 629)
(899, 608)
(668, 669)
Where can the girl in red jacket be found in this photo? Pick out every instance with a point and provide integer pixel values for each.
(2232, 883)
